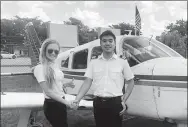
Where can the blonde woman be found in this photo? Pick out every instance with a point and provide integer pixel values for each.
(50, 78)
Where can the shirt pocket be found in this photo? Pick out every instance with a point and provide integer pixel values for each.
(98, 73)
(115, 73)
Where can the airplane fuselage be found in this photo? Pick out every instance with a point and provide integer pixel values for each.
(161, 78)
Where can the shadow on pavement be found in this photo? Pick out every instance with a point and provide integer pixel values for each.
(141, 122)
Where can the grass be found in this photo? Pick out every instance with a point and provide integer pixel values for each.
(80, 118)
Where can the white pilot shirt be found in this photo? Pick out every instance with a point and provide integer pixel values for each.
(59, 78)
(108, 75)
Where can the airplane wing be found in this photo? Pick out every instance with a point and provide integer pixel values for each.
(12, 100)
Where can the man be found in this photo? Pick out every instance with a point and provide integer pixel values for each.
(107, 74)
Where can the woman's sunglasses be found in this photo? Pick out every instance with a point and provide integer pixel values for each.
(50, 51)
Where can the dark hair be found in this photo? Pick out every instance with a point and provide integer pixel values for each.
(107, 33)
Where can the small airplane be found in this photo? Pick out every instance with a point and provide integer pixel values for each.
(160, 90)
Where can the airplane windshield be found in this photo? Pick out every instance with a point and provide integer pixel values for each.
(143, 49)
(165, 48)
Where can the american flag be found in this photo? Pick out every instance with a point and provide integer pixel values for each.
(137, 20)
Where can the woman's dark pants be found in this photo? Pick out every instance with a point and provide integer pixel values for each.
(55, 112)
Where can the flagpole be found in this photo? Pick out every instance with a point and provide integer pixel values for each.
(135, 30)
(135, 19)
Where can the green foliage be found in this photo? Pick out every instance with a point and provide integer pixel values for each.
(16, 26)
(176, 37)
(180, 26)
(125, 26)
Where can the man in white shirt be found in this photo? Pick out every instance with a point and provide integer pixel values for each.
(107, 74)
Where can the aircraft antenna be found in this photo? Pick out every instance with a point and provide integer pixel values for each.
(150, 39)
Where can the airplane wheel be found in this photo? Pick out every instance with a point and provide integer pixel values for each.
(32, 120)
(37, 124)
(168, 122)
(14, 57)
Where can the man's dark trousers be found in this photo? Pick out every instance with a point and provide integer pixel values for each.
(106, 112)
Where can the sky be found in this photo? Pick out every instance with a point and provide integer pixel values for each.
(155, 15)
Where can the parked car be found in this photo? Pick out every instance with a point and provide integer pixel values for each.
(7, 55)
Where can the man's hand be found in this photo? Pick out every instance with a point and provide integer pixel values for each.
(122, 98)
(68, 104)
(124, 108)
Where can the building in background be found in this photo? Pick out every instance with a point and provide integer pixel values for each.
(21, 50)
(66, 35)
(14, 45)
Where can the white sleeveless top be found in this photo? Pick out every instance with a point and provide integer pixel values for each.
(59, 78)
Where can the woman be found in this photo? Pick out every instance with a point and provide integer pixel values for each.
(50, 78)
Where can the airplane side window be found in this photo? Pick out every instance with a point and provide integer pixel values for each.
(80, 60)
(65, 63)
(96, 51)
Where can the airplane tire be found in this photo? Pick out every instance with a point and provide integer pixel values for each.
(36, 125)
(169, 122)
(13, 57)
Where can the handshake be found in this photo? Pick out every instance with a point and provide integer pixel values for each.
(74, 104)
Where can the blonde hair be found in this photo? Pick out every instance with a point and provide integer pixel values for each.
(48, 71)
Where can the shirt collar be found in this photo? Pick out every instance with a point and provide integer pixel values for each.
(114, 56)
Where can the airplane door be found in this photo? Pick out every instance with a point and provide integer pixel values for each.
(76, 69)
(141, 101)
(70, 60)
(170, 94)
(66, 67)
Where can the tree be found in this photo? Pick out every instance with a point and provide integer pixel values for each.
(125, 26)
(175, 36)
(180, 26)
(16, 26)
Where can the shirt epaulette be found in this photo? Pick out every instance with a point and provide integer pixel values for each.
(121, 57)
